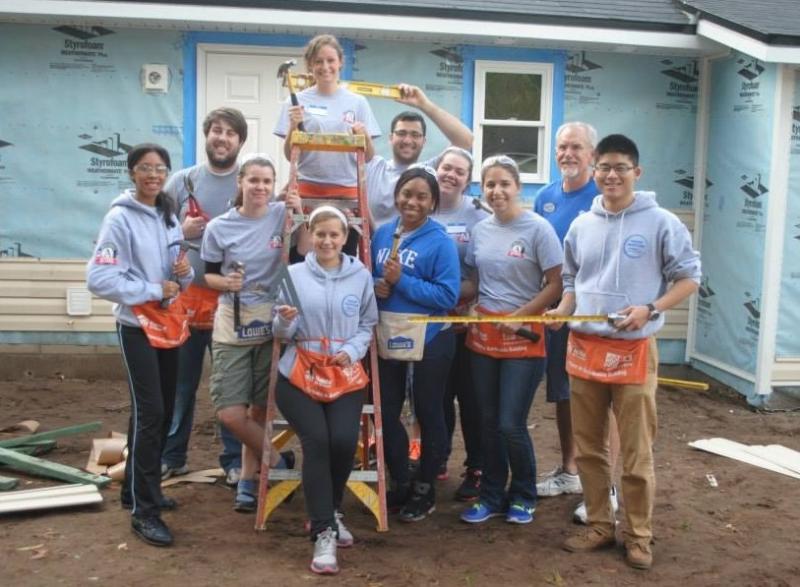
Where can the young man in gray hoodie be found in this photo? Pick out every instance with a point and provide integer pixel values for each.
(629, 257)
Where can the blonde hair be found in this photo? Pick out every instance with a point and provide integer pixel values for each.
(314, 45)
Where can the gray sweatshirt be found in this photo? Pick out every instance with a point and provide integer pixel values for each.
(134, 254)
(615, 260)
(339, 305)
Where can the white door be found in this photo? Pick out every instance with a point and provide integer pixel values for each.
(245, 78)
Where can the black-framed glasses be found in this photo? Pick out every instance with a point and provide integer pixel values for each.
(618, 169)
(147, 169)
(412, 134)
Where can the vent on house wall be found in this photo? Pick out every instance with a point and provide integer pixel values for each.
(79, 301)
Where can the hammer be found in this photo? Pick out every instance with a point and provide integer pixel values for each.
(237, 266)
(283, 71)
(184, 246)
(481, 205)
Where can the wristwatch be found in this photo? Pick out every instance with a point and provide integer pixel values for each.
(654, 313)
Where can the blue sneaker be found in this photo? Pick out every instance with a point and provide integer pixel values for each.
(519, 513)
(479, 512)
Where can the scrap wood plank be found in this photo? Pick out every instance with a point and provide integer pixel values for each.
(38, 447)
(739, 452)
(37, 466)
(51, 434)
(778, 455)
(49, 497)
(7, 483)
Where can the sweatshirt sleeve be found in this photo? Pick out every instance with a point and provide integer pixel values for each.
(570, 265)
(356, 346)
(440, 292)
(109, 274)
(680, 260)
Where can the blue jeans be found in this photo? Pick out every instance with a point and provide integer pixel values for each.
(430, 377)
(505, 389)
(190, 369)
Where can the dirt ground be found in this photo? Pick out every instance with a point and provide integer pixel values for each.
(744, 532)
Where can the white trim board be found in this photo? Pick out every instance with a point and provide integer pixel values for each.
(747, 45)
(775, 457)
(367, 26)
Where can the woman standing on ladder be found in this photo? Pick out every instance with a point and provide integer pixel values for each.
(137, 263)
(242, 251)
(458, 213)
(327, 340)
(510, 255)
(415, 265)
(327, 108)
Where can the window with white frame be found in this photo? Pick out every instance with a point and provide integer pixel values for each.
(512, 116)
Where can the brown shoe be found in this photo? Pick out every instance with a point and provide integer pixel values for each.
(587, 540)
(639, 556)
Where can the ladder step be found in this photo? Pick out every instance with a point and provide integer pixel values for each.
(346, 142)
(294, 475)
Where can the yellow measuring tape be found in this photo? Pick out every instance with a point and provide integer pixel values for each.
(500, 319)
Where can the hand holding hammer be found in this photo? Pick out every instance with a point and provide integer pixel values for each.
(180, 268)
(284, 72)
(237, 267)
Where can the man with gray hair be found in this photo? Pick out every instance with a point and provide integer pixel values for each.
(560, 203)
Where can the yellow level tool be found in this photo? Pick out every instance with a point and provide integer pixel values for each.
(683, 383)
(302, 81)
(500, 319)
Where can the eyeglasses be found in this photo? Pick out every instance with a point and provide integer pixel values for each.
(618, 169)
(147, 169)
(401, 134)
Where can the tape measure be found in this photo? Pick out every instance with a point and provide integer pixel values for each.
(500, 319)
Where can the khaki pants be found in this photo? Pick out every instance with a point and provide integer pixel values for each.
(635, 410)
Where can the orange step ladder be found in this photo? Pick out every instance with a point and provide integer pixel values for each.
(367, 483)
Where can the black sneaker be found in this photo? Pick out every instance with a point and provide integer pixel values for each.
(152, 530)
(397, 496)
(420, 504)
(470, 488)
(166, 503)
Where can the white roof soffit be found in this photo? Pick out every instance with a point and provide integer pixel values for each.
(748, 45)
(359, 26)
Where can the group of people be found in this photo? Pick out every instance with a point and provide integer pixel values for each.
(593, 246)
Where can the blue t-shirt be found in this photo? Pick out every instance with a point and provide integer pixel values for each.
(560, 208)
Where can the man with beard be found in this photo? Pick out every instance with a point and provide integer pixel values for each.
(203, 192)
(407, 138)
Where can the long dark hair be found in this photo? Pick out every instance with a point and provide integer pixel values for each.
(426, 173)
(163, 201)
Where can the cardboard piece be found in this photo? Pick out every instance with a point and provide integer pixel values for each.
(205, 476)
(26, 426)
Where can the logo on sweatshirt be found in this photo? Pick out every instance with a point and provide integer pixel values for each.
(276, 242)
(350, 305)
(106, 254)
(349, 117)
(635, 246)
(517, 249)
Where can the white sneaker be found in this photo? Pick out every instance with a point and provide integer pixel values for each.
(324, 561)
(233, 476)
(580, 516)
(345, 539)
(557, 482)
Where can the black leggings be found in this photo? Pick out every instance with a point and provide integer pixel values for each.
(328, 433)
(152, 375)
